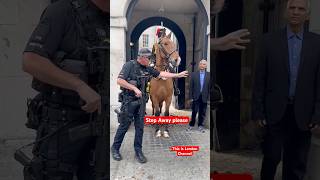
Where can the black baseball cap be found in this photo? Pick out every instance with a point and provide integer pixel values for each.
(144, 52)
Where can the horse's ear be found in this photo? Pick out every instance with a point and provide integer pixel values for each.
(163, 35)
(169, 35)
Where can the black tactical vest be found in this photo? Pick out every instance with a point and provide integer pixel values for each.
(91, 50)
(135, 71)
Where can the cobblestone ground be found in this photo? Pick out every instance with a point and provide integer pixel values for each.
(163, 164)
(9, 168)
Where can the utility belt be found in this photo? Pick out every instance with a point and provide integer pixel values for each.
(62, 114)
(56, 107)
(126, 96)
(63, 99)
(53, 120)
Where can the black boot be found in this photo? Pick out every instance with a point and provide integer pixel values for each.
(116, 154)
(140, 157)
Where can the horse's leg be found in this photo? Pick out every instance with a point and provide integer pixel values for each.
(160, 106)
(157, 113)
(166, 113)
(152, 109)
(152, 104)
(168, 103)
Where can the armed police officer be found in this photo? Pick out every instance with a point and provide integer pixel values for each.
(65, 55)
(133, 78)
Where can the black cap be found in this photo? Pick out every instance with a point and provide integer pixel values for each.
(144, 52)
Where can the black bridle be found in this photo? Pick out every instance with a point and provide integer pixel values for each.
(164, 51)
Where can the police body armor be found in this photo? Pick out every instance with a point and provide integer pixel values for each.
(79, 62)
(88, 61)
(139, 78)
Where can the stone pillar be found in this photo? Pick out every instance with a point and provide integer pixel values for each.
(314, 157)
(118, 28)
(314, 18)
(117, 54)
(253, 20)
(17, 20)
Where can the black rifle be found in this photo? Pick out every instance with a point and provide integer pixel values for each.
(101, 121)
(143, 79)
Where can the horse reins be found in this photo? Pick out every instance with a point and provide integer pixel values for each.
(167, 55)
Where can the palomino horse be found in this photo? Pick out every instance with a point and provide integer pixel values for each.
(161, 89)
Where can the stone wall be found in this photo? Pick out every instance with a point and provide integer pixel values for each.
(17, 20)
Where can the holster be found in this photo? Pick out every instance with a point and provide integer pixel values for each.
(34, 171)
(27, 173)
(34, 109)
(129, 104)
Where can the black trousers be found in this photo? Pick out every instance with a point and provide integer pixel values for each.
(285, 141)
(133, 116)
(198, 107)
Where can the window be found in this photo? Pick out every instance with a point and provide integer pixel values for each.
(145, 40)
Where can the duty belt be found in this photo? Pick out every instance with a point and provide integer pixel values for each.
(61, 114)
(64, 100)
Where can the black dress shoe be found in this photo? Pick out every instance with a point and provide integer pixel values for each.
(116, 154)
(140, 157)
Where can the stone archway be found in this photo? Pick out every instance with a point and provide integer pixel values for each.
(191, 16)
(153, 21)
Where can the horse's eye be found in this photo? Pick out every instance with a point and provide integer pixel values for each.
(165, 44)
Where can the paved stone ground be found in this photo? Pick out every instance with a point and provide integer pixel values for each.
(163, 164)
(9, 168)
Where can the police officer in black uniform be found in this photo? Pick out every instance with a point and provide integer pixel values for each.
(57, 56)
(132, 84)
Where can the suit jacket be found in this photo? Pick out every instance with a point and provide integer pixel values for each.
(271, 86)
(195, 86)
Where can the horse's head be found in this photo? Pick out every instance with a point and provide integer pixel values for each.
(168, 50)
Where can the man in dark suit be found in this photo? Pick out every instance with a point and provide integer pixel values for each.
(286, 96)
(199, 94)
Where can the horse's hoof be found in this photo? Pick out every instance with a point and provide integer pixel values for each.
(166, 134)
(158, 133)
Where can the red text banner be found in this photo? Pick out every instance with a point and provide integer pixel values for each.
(218, 176)
(166, 120)
(184, 150)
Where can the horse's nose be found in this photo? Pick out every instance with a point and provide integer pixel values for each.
(175, 62)
(178, 61)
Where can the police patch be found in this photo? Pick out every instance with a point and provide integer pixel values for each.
(40, 34)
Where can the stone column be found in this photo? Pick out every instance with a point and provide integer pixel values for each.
(252, 20)
(250, 135)
(314, 154)
(17, 21)
(118, 28)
